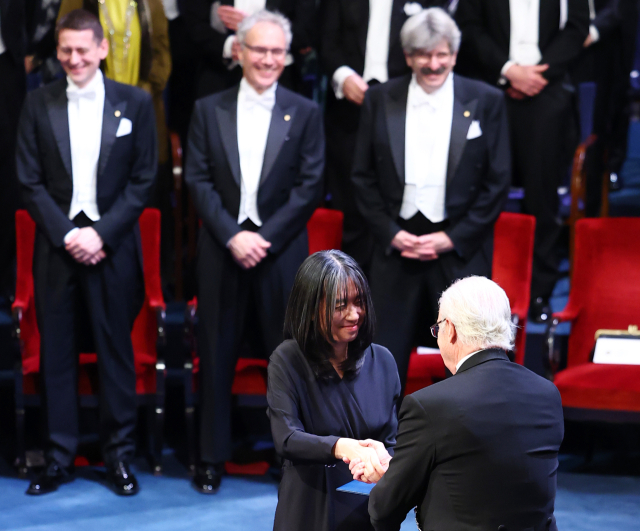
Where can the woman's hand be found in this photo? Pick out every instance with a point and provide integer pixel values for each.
(363, 458)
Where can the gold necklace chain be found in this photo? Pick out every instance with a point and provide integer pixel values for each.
(126, 40)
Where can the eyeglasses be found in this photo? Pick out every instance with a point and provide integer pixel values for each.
(261, 51)
(434, 328)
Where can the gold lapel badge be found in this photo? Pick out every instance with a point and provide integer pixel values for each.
(117, 113)
(287, 117)
(467, 114)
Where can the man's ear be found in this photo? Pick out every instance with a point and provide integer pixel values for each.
(452, 334)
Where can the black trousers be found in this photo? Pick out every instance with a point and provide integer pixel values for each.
(78, 306)
(405, 294)
(341, 125)
(227, 296)
(12, 92)
(540, 127)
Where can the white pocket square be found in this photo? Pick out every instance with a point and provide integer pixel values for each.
(124, 128)
(474, 130)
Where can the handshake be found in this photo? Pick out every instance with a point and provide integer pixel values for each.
(368, 460)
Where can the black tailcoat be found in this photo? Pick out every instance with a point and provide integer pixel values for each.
(289, 191)
(111, 290)
(405, 292)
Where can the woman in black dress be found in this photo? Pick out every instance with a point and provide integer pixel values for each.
(332, 397)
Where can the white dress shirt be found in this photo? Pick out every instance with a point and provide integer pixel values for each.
(523, 40)
(3, 48)
(459, 364)
(376, 53)
(85, 107)
(254, 118)
(426, 153)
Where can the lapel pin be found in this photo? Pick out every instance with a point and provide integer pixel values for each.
(287, 117)
(117, 113)
(467, 114)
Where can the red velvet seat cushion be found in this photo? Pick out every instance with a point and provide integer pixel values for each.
(424, 370)
(596, 386)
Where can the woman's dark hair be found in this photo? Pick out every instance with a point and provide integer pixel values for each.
(324, 277)
(80, 20)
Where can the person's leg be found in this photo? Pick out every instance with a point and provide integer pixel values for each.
(111, 290)
(56, 296)
(538, 126)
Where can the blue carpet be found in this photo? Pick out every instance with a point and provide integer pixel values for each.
(584, 503)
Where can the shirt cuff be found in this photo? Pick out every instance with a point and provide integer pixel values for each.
(595, 34)
(503, 80)
(69, 234)
(338, 79)
(228, 44)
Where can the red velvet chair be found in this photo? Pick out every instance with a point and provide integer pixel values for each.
(324, 229)
(605, 294)
(148, 337)
(512, 262)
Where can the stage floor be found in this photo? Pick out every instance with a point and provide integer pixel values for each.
(584, 502)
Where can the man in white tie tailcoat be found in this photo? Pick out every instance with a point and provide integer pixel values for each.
(86, 160)
(254, 169)
(431, 174)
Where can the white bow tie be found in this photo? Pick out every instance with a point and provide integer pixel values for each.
(74, 94)
(421, 98)
(266, 100)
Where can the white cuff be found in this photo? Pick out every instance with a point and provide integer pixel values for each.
(69, 234)
(595, 34)
(228, 44)
(503, 80)
(338, 79)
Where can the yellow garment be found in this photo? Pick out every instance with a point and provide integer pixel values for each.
(124, 70)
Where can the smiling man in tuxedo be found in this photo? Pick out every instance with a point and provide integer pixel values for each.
(431, 175)
(86, 161)
(254, 170)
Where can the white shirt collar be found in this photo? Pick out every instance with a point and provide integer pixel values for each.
(95, 85)
(459, 364)
(436, 99)
(248, 93)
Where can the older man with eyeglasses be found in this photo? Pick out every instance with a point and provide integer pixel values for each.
(254, 170)
(478, 450)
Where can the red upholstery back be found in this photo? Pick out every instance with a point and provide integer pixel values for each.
(605, 288)
(144, 330)
(513, 236)
(325, 230)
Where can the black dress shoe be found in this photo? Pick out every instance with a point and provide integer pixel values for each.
(50, 479)
(540, 311)
(121, 480)
(208, 477)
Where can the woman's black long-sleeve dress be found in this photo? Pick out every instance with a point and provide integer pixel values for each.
(308, 415)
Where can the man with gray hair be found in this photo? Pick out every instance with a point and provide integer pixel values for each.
(254, 170)
(478, 450)
(431, 175)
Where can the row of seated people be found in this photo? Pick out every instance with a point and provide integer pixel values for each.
(254, 168)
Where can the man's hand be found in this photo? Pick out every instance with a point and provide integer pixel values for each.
(368, 474)
(248, 248)
(404, 241)
(527, 79)
(354, 88)
(588, 41)
(365, 459)
(231, 16)
(86, 246)
(515, 94)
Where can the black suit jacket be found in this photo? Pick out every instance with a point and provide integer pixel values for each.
(478, 171)
(126, 167)
(345, 24)
(209, 42)
(620, 16)
(291, 180)
(485, 26)
(476, 451)
(13, 28)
